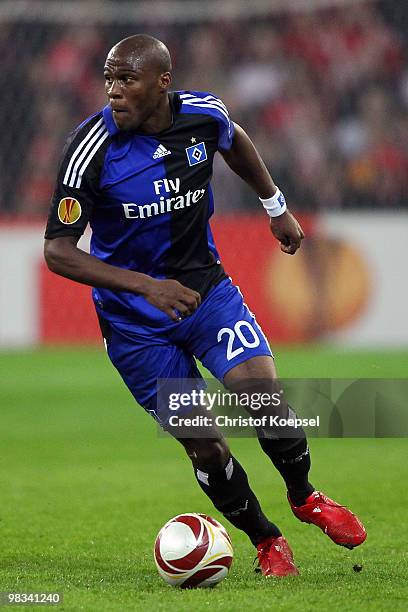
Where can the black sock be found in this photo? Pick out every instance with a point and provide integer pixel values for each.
(231, 494)
(291, 457)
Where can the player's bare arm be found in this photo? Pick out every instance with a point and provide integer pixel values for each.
(244, 159)
(64, 258)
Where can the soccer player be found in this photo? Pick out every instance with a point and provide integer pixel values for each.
(138, 171)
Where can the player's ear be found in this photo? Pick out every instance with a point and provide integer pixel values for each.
(165, 80)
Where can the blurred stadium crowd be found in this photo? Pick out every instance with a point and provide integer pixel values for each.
(324, 95)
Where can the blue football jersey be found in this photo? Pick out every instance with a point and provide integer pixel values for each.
(147, 198)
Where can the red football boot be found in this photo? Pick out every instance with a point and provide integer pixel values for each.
(336, 521)
(276, 558)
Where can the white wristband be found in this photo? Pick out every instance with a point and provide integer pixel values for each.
(276, 205)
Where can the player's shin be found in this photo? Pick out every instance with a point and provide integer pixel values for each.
(289, 453)
(231, 494)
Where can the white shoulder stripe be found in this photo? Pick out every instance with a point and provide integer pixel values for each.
(205, 101)
(79, 148)
(74, 173)
(85, 164)
(207, 105)
(209, 98)
(216, 101)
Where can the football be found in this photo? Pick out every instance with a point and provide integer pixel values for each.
(193, 550)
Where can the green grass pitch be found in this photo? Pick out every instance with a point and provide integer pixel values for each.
(86, 483)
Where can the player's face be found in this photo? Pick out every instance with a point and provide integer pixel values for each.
(135, 92)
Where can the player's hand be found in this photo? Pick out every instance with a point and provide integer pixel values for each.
(172, 297)
(287, 230)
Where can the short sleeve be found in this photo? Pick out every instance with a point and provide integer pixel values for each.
(208, 103)
(226, 126)
(77, 187)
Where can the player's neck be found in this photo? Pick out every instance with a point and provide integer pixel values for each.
(160, 120)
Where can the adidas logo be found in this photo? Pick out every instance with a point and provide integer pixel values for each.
(161, 151)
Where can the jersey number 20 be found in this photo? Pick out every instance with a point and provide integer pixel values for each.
(237, 333)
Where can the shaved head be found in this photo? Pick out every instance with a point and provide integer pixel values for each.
(137, 79)
(144, 51)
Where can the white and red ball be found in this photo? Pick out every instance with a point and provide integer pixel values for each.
(193, 550)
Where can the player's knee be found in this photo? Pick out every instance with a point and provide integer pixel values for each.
(208, 454)
(259, 371)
